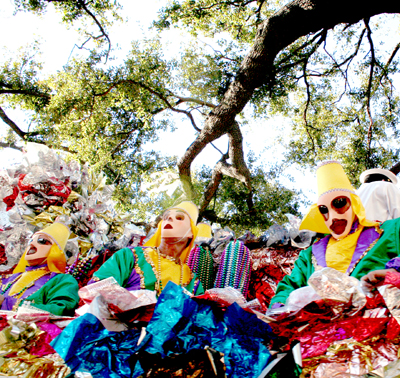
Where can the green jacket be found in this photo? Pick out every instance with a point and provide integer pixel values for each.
(131, 270)
(376, 255)
(59, 295)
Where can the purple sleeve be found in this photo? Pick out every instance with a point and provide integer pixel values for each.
(393, 264)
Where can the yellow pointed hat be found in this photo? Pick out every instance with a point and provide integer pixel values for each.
(59, 232)
(190, 209)
(332, 177)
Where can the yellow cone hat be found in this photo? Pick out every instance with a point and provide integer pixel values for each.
(332, 177)
(59, 232)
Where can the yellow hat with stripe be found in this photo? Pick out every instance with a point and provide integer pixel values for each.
(332, 177)
(58, 232)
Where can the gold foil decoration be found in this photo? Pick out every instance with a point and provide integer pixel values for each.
(13, 340)
(84, 246)
(73, 196)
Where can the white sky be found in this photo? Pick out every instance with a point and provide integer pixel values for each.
(57, 43)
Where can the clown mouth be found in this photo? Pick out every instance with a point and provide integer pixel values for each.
(168, 227)
(338, 226)
(31, 251)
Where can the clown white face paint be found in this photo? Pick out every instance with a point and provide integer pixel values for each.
(176, 224)
(337, 211)
(38, 249)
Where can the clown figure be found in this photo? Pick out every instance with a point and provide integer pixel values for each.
(354, 245)
(163, 260)
(38, 277)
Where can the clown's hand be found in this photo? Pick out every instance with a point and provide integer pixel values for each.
(1, 299)
(372, 280)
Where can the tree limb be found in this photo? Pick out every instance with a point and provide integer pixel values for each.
(273, 35)
(238, 169)
(395, 169)
(12, 124)
(369, 86)
(11, 145)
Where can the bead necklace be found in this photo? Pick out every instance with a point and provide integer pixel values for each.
(159, 281)
(234, 269)
(201, 262)
(80, 268)
(4, 288)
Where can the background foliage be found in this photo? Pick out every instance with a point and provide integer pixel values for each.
(336, 84)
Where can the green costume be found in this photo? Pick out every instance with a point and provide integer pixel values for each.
(134, 270)
(56, 293)
(371, 253)
(58, 296)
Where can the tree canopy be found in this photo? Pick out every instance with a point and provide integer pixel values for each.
(330, 68)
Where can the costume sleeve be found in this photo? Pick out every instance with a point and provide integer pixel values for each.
(393, 264)
(298, 278)
(387, 247)
(120, 266)
(393, 198)
(59, 295)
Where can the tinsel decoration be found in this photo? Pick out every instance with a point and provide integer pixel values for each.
(234, 269)
(269, 266)
(201, 262)
(40, 190)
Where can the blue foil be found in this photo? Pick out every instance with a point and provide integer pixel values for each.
(180, 324)
(85, 345)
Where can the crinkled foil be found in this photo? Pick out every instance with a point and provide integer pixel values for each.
(337, 288)
(25, 350)
(392, 370)
(391, 295)
(45, 188)
(350, 358)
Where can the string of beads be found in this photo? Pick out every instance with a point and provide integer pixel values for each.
(159, 287)
(234, 268)
(80, 268)
(201, 262)
(5, 287)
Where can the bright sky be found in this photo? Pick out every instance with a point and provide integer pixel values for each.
(57, 43)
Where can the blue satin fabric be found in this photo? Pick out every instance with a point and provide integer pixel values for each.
(85, 345)
(180, 324)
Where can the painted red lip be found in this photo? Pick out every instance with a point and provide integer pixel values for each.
(338, 226)
(31, 251)
(168, 227)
